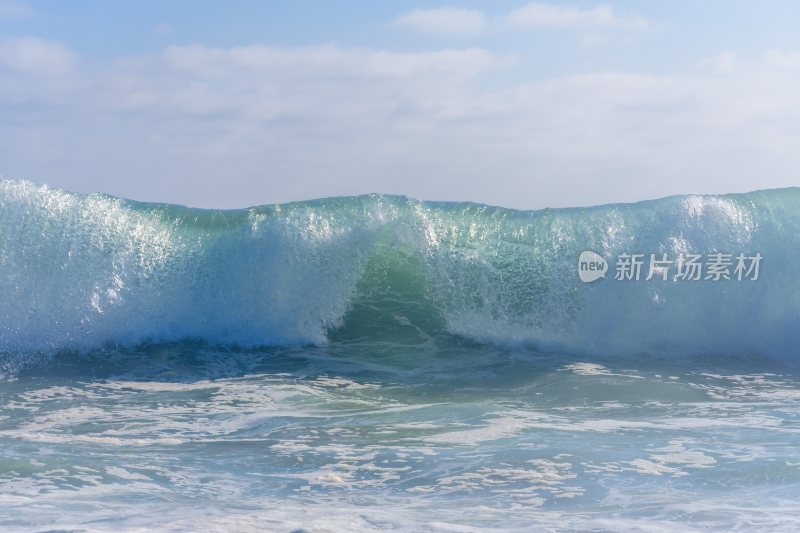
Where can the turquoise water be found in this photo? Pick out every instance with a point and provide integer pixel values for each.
(378, 363)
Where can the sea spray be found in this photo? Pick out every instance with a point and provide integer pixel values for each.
(78, 271)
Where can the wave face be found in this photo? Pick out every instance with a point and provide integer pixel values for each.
(80, 271)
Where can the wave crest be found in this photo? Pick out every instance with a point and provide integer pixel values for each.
(77, 271)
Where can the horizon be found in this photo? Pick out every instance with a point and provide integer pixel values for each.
(403, 196)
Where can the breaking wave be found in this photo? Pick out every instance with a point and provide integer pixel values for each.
(80, 271)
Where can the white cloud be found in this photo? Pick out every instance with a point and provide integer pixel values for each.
(13, 10)
(263, 83)
(448, 20)
(32, 54)
(229, 127)
(538, 15)
(535, 15)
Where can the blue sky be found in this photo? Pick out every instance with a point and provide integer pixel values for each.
(523, 104)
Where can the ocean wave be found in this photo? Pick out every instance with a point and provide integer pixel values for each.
(80, 271)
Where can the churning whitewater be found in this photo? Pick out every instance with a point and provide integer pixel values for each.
(78, 272)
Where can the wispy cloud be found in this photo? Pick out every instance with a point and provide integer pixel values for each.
(538, 15)
(448, 20)
(262, 83)
(35, 55)
(535, 15)
(13, 10)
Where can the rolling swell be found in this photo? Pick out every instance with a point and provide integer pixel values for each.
(78, 271)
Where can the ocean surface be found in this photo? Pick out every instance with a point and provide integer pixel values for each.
(378, 363)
